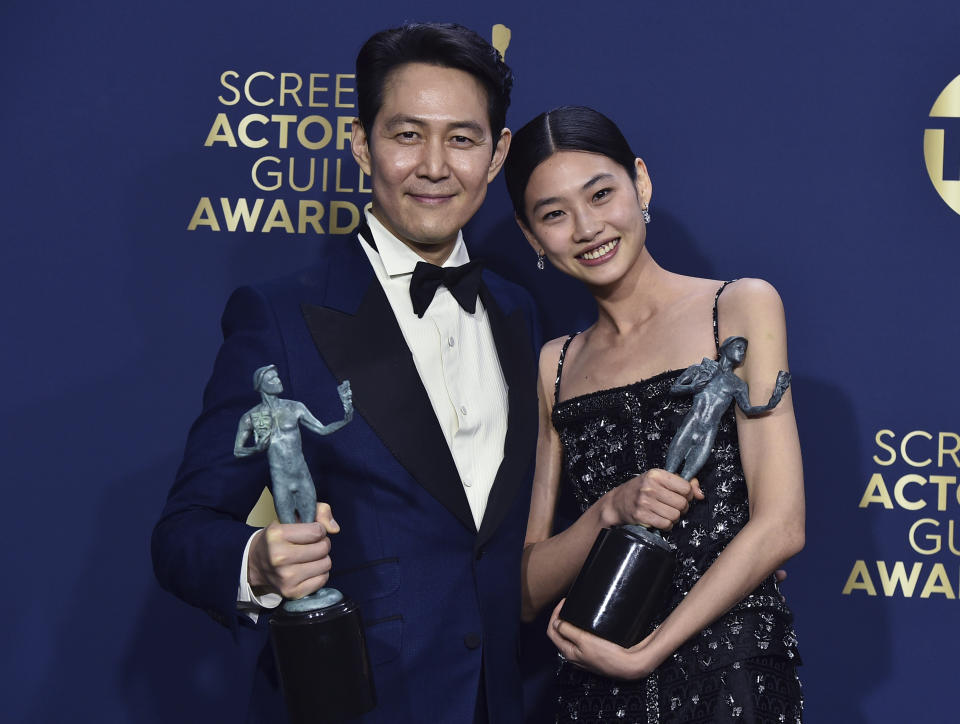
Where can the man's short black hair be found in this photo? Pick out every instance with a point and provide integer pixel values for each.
(441, 44)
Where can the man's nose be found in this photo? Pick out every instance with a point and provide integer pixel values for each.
(433, 162)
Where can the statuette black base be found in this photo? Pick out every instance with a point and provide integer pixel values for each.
(622, 586)
(322, 659)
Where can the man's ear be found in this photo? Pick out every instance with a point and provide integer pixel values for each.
(360, 146)
(499, 154)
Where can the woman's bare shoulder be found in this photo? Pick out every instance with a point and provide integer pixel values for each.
(754, 310)
(550, 356)
(551, 350)
(750, 299)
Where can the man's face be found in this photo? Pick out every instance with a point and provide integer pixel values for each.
(430, 155)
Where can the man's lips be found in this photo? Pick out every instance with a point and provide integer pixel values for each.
(432, 198)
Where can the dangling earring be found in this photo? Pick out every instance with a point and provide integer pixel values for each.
(540, 260)
(645, 210)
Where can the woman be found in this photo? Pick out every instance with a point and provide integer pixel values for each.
(726, 651)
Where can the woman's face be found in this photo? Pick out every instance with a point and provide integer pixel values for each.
(585, 215)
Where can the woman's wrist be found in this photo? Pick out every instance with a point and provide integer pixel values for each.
(607, 515)
(648, 655)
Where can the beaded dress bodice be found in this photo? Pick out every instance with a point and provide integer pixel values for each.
(611, 435)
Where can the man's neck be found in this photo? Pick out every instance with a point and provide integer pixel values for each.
(433, 253)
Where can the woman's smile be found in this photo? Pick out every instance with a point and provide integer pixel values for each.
(599, 254)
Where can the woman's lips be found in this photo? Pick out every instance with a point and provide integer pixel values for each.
(599, 254)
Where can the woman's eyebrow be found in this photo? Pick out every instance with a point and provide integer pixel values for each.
(588, 184)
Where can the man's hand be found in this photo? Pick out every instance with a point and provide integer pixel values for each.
(292, 559)
(655, 499)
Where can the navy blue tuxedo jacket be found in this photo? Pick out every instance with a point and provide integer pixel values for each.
(440, 600)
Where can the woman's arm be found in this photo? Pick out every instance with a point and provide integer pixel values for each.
(770, 452)
(656, 499)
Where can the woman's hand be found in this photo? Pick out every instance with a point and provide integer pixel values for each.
(655, 499)
(601, 656)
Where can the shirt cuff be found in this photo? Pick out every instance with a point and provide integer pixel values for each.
(247, 601)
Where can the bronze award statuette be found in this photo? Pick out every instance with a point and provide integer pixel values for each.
(622, 587)
(318, 640)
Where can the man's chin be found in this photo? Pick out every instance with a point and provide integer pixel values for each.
(432, 236)
(431, 245)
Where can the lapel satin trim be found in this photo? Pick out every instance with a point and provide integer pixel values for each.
(368, 349)
(514, 348)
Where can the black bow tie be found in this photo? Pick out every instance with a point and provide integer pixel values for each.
(462, 281)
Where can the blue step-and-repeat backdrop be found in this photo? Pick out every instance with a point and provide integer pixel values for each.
(156, 156)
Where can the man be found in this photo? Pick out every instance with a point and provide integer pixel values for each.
(430, 482)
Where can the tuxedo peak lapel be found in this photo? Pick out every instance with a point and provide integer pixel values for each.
(515, 351)
(349, 275)
(367, 347)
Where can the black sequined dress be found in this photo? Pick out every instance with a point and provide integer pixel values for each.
(742, 667)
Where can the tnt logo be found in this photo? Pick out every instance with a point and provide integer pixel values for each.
(942, 152)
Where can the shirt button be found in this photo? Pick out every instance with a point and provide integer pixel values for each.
(472, 640)
(463, 410)
(467, 483)
(451, 341)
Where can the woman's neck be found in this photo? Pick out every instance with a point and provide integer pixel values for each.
(634, 298)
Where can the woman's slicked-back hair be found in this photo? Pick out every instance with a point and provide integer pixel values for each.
(442, 44)
(568, 128)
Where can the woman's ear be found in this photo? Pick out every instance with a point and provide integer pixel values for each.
(643, 183)
(531, 239)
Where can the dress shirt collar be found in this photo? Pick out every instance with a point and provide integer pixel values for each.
(398, 258)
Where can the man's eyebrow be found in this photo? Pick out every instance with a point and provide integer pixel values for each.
(467, 125)
(588, 184)
(403, 121)
(419, 122)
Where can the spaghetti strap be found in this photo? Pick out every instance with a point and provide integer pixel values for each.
(563, 353)
(716, 324)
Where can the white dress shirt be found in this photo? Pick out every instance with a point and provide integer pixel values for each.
(454, 353)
